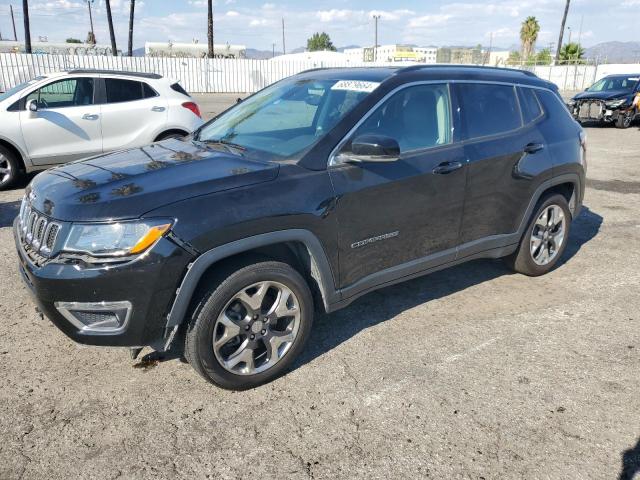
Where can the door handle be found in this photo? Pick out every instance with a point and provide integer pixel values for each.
(158, 109)
(533, 147)
(447, 167)
(89, 116)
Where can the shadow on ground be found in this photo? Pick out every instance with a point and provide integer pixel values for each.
(630, 462)
(8, 211)
(329, 331)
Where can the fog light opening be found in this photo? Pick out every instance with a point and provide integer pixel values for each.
(96, 317)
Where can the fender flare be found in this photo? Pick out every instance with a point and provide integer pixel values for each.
(320, 268)
(574, 205)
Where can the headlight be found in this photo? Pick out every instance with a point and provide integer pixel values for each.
(571, 102)
(115, 239)
(615, 103)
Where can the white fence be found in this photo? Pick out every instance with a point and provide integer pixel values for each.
(203, 75)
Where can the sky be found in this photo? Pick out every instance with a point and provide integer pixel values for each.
(257, 24)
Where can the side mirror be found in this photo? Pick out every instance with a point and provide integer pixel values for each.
(32, 105)
(238, 100)
(374, 148)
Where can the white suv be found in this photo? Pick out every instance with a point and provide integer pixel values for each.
(66, 116)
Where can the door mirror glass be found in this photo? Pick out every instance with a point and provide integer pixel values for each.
(32, 105)
(374, 148)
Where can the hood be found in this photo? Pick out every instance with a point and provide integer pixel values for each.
(606, 95)
(129, 183)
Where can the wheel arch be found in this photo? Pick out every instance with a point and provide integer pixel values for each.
(170, 131)
(16, 151)
(297, 247)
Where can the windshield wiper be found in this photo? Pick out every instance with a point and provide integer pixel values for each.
(225, 143)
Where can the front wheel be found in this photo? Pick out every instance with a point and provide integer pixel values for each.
(624, 119)
(251, 326)
(9, 169)
(545, 239)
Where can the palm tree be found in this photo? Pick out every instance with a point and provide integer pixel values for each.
(131, 10)
(210, 27)
(564, 21)
(528, 36)
(570, 53)
(114, 49)
(27, 29)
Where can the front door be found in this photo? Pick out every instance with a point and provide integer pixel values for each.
(67, 124)
(394, 215)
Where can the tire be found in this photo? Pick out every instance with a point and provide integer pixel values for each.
(214, 342)
(624, 121)
(10, 168)
(529, 259)
(168, 135)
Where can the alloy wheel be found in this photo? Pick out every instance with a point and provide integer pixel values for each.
(548, 235)
(5, 169)
(256, 328)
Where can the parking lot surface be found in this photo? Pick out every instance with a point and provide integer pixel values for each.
(471, 372)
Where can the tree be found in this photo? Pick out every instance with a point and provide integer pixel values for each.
(528, 36)
(564, 21)
(210, 28)
(132, 8)
(514, 58)
(114, 49)
(543, 57)
(571, 53)
(320, 42)
(27, 29)
(73, 40)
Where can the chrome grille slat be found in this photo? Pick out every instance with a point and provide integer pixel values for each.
(39, 234)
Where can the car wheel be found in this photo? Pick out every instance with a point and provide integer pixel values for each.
(9, 168)
(250, 328)
(168, 135)
(624, 121)
(545, 239)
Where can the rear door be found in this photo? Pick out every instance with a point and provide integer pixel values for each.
(67, 124)
(391, 214)
(506, 155)
(132, 113)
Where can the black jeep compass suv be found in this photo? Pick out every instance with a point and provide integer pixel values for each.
(303, 197)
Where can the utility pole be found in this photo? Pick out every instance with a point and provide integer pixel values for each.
(27, 29)
(13, 21)
(210, 52)
(564, 21)
(273, 50)
(487, 57)
(284, 48)
(131, 14)
(114, 49)
(375, 43)
(93, 35)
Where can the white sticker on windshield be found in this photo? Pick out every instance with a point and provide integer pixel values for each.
(355, 85)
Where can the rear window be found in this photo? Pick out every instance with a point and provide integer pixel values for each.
(488, 109)
(121, 90)
(529, 104)
(178, 88)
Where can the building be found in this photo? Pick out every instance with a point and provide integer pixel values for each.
(393, 53)
(459, 55)
(53, 48)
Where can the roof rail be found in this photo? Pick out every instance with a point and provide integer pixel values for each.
(470, 67)
(153, 76)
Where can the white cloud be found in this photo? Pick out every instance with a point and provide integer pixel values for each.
(427, 21)
(232, 13)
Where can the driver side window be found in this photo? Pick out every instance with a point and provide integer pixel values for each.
(71, 92)
(416, 117)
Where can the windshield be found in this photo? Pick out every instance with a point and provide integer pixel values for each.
(614, 83)
(287, 117)
(17, 88)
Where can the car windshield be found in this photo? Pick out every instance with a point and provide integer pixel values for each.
(614, 83)
(287, 117)
(18, 88)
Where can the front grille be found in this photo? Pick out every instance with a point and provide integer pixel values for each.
(39, 233)
(591, 109)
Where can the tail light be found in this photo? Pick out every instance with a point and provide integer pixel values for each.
(193, 107)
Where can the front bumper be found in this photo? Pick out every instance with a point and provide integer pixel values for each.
(596, 110)
(148, 283)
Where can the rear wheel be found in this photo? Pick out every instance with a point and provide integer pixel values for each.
(168, 135)
(10, 170)
(545, 239)
(251, 327)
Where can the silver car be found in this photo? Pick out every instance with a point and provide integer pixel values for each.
(70, 115)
